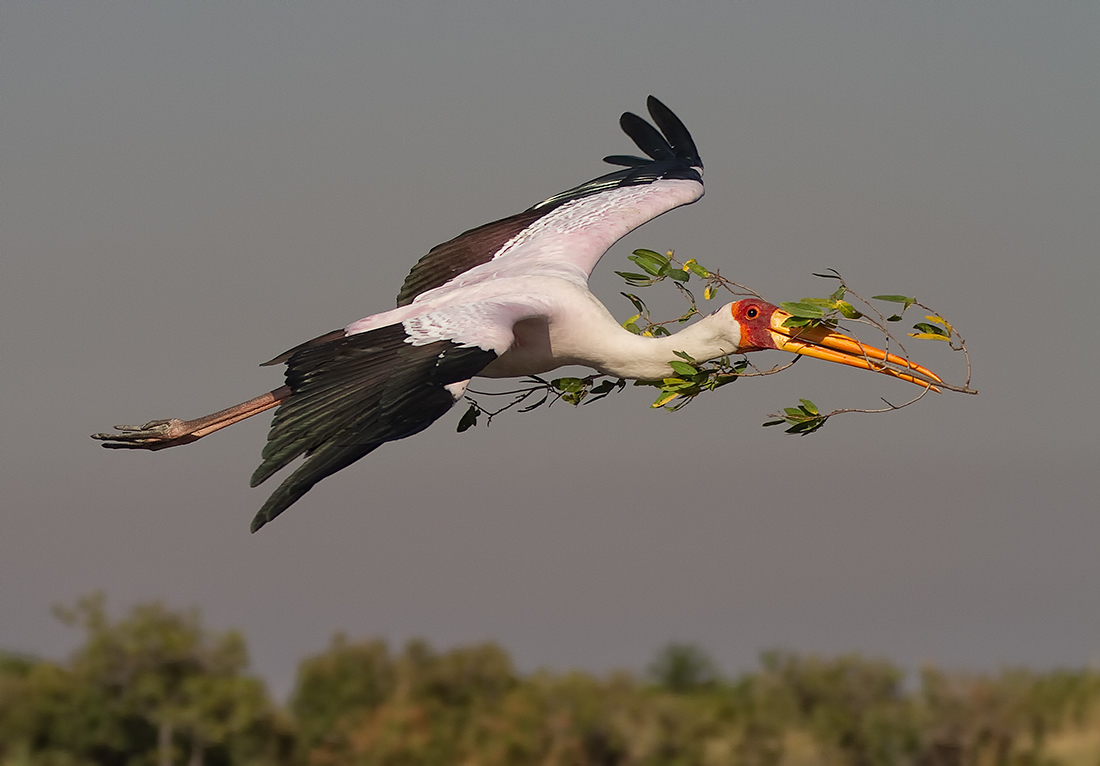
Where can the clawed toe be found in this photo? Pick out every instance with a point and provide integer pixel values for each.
(154, 435)
(161, 434)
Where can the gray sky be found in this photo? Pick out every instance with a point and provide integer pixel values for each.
(190, 189)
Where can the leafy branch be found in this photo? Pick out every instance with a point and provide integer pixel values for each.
(810, 312)
(806, 418)
(570, 390)
(828, 312)
(691, 377)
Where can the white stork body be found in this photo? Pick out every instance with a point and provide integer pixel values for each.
(509, 298)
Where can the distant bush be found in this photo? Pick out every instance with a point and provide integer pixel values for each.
(158, 688)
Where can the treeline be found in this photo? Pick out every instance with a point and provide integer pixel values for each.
(157, 688)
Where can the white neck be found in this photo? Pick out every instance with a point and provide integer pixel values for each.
(614, 351)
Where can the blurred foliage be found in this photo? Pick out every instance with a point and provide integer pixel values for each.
(152, 688)
(157, 688)
(683, 668)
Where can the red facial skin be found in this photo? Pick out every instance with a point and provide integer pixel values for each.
(755, 317)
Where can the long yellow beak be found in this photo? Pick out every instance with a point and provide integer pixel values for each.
(823, 343)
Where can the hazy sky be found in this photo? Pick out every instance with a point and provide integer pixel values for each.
(189, 189)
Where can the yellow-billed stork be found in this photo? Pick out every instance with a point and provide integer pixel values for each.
(509, 298)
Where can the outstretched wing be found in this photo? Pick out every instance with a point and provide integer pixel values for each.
(392, 375)
(351, 394)
(573, 229)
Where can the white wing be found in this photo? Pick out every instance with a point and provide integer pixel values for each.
(567, 234)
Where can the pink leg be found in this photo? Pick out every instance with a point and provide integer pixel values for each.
(161, 434)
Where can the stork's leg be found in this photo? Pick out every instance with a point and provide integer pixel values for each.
(161, 434)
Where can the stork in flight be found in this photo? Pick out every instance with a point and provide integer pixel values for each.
(506, 299)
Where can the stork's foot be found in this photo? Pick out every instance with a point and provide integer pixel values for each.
(162, 434)
(154, 435)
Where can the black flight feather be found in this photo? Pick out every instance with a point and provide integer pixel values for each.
(680, 141)
(647, 137)
(628, 160)
(353, 394)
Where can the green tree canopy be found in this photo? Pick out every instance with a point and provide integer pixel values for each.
(154, 682)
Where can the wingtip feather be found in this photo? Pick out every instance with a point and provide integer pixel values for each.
(675, 132)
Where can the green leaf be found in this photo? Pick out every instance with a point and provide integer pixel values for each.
(639, 304)
(929, 329)
(649, 261)
(802, 310)
(839, 293)
(676, 384)
(807, 427)
(775, 423)
(796, 322)
(469, 418)
(941, 321)
(696, 269)
(809, 406)
(659, 331)
(827, 304)
(635, 280)
(847, 310)
(896, 299)
(894, 318)
(664, 398)
(685, 356)
(683, 368)
(569, 385)
(678, 274)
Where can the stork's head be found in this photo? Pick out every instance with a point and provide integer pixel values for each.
(761, 327)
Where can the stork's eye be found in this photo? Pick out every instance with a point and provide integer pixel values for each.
(753, 312)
